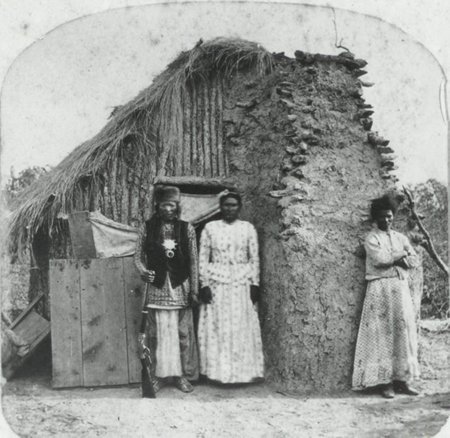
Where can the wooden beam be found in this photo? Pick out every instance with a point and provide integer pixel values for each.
(65, 311)
(26, 311)
(220, 149)
(228, 183)
(134, 290)
(81, 236)
(103, 326)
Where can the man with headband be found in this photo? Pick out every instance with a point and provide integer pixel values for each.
(166, 257)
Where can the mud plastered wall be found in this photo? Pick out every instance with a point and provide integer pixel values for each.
(298, 145)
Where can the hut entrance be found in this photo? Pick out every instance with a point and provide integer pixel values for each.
(199, 197)
(199, 204)
(96, 297)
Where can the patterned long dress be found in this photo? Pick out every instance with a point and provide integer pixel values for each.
(386, 348)
(229, 336)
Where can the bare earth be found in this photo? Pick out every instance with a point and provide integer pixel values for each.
(32, 408)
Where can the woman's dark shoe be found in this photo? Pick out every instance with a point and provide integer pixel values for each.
(403, 388)
(387, 391)
(183, 385)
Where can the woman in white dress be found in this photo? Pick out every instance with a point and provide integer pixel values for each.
(229, 335)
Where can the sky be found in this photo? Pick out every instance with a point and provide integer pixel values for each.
(69, 63)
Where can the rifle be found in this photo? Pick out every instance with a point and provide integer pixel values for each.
(146, 374)
(146, 360)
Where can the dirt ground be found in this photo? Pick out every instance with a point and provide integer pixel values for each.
(33, 409)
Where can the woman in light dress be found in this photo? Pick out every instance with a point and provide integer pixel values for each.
(386, 349)
(229, 336)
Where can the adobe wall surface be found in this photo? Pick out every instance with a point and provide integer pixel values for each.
(300, 153)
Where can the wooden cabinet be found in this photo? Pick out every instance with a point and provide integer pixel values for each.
(95, 309)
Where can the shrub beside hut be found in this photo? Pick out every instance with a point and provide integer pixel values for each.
(294, 136)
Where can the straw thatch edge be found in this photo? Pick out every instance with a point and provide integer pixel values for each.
(155, 109)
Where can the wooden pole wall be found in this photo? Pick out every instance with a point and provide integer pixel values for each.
(189, 144)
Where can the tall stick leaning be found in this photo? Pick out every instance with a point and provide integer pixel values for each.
(429, 247)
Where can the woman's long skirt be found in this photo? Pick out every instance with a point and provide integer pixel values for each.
(229, 336)
(386, 349)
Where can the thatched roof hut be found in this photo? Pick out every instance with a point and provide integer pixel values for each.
(157, 133)
(294, 136)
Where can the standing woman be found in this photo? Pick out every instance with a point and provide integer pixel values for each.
(166, 257)
(229, 335)
(386, 349)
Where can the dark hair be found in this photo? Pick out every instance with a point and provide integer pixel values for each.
(386, 202)
(233, 195)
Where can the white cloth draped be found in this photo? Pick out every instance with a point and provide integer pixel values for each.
(168, 344)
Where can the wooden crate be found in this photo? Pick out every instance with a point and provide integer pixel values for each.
(32, 329)
(95, 309)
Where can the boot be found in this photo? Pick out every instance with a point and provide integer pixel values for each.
(403, 388)
(387, 391)
(183, 384)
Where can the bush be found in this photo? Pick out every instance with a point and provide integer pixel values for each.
(432, 202)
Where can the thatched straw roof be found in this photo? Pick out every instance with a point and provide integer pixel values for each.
(154, 111)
